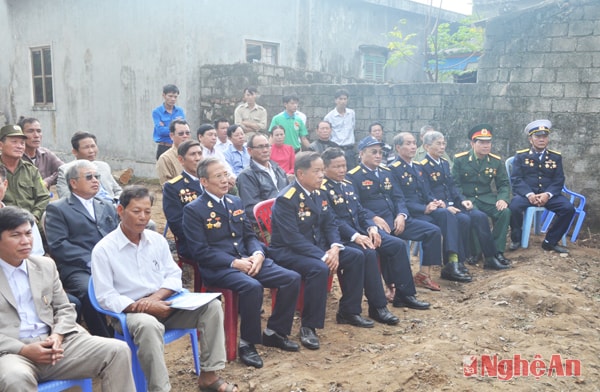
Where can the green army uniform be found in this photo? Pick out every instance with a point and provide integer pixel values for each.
(475, 177)
(26, 189)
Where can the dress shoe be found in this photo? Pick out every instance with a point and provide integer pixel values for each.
(451, 272)
(279, 341)
(514, 245)
(353, 319)
(410, 301)
(494, 263)
(249, 356)
(555, 247)
(309, 338)
(383, 315)
(463, 268)
(502, 259)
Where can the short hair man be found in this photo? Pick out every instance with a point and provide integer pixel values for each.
(421, 152)
(74, 225)
(26, 189)
(222, 242)
(41, 340)
(358, 230)
(181, 190)
(379, 192)
(323, 141)
(85, 147)
(168, 165)
(306, 239)
(296, 134)
(251, 116)
(474, 172)
(237, 154)
(376, 130)
(437, 172)
(537, 179)
(207, 135)
(262, 179)
(162, 117)
(223, 142)
(45, 160)
(134, 273)
(343, 122)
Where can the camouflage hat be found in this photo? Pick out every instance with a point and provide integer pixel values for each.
(11, 130)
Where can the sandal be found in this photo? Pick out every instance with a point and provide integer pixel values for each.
(217, 384)
(424, 280)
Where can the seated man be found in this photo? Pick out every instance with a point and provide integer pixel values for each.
(74, 225)
(181, 190)
(168, 165)
(306, 239)
(323, 141)
(223, 142)
(134, 273)
(537, 180)
(358, 230)
(39, 337)
(207, 136)
(236, 154)
(221, 241)
(42, 158)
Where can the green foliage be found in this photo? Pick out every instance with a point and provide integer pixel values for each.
(400, 46)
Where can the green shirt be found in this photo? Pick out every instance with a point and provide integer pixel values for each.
(26, 189)
(475, 177)
(294, 129)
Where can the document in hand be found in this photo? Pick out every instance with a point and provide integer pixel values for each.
(191, 301)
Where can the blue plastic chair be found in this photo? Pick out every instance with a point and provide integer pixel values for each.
(60, 385)
(170, 335)
(578, 202)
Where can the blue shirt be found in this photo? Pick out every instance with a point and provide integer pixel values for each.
(238, 160)
(160, 115)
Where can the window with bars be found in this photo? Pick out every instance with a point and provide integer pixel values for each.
(262, 52)
(41, 67)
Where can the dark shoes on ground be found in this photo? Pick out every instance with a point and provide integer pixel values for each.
(249, 356)
(555, 247)
(309, 338)
(353, 319)
(494, 263)
(502, 259)
(452, 272)
(383, 315)
(410, 301)
(279, 341)
(514, 245)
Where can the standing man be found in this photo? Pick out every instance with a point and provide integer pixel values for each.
(237, 154)
(223, 141)
(474, 172)
(323, 141)
(168, 165)
(134, 273)
(222, 242)
(306, 239)
(376, 130)
(181, 190)
(45, 160)
(74, 225)
(26, 189)
(343, 122)
(251, 116)
(162, 117)
(358, 230)
(40, 339)
(296, 134)
(537, 180)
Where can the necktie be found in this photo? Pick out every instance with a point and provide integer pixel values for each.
(313, 196)
(224, 204)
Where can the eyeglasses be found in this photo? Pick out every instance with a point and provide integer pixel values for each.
(262, 147)
(184, 133)
(89, 177)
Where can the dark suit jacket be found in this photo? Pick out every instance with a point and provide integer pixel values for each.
(72, 233)
(49, 298)
(414, 185)
(441, 181)
(215, 236)
(529, 174)
(302, 226)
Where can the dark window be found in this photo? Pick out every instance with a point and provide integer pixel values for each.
(262, 52)
(41, 65)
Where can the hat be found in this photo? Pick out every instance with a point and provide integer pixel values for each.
(368, 142)
(11, 130)
(538, 127)
(481, 132)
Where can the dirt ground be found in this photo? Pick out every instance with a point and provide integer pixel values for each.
(546, 304)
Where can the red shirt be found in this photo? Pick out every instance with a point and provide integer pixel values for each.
(284, 156)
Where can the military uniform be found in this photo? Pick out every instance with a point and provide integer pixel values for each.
(215, 236)
(475, 177)
(26, 189)
(353, 219)
(304, 228)
(177, 193)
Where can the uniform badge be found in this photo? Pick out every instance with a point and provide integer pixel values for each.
(301, 196)
(210, 204)
(238, 212)
(217, 224)
(213, 214)
(435, 175)
(367, 183)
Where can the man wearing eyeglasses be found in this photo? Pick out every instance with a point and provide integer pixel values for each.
(168, 165)
(73, 225)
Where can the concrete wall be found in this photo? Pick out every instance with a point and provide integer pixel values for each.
(6, 47)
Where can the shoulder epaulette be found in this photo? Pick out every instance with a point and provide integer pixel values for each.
(347, 181)
(461, 154)
(522, 151)
(443, 159)
(424, 161)
(396, 163)
(495, 156)
(357, 168)
(175, 179)
(554, 152)
(384, 168)
(323, 184)
(290, 193)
